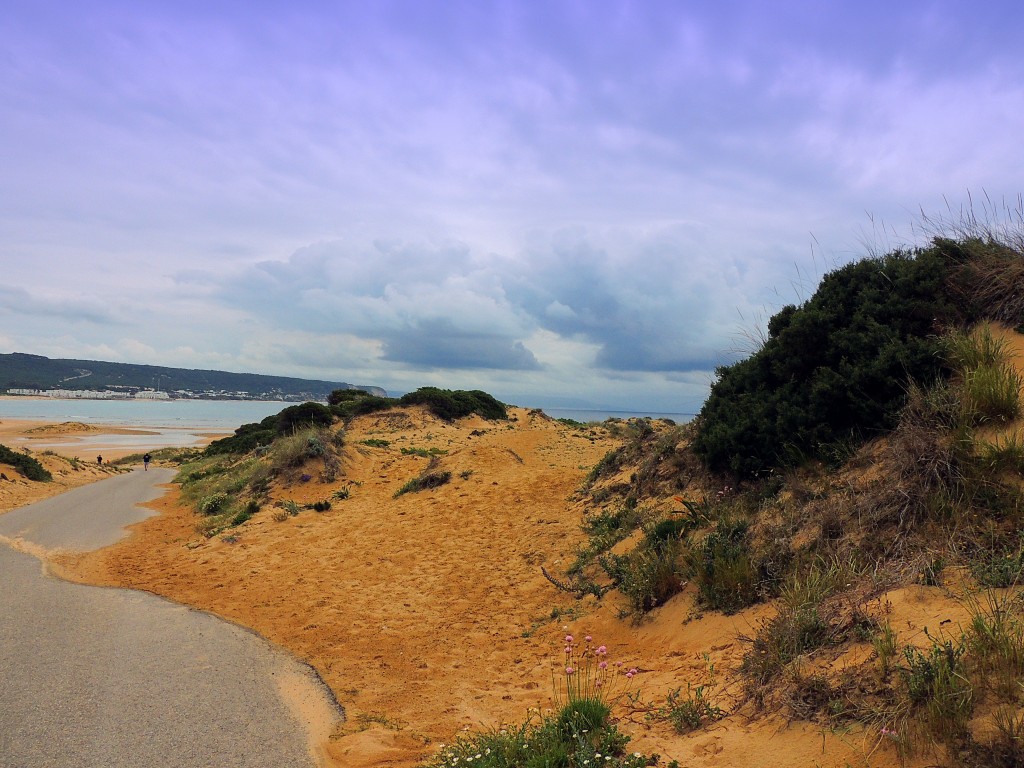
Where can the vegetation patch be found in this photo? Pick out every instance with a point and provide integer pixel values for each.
(28, 466)
(833, 370)
(426, 481)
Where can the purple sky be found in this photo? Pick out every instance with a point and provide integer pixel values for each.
(587, 203)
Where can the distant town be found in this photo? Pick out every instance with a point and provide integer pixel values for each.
(29, 375)
(136, 393)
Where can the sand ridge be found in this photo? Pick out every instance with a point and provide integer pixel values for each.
(428, 614)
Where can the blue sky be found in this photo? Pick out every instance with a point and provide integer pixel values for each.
(561, 203)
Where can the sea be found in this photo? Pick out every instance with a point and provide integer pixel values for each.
(586, 415)
(221, 415)
(210, 415)
(190, 422)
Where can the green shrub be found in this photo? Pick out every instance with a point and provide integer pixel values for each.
(937, 683)
(966, 351)
(722, 567)
(995, 642)
(604, 530)
(374, 442)
(648, 576)
(425, 481)
(245, 513)
(214, 504)
(362, 406)
(798, 626)
(781, 639)
(26, 465)
(832, 370)
(691, 712)
(246, 438)
(425, 453)
(339, 396)
(304, 415)
(455, 404)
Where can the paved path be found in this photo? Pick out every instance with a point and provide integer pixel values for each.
(106, 677)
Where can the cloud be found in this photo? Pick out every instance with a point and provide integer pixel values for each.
(61, 308)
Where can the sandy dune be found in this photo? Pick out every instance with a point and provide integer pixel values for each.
(428, 614)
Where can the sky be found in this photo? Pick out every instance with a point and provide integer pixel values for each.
(565, 204)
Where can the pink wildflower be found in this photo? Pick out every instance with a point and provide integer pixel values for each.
(569, 670)
(601, 650)
(568, 638)
(588, 638)
(603, 665)
(568, 649)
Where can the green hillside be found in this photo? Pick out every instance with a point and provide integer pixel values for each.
(24, 371)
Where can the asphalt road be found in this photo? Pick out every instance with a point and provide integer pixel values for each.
(92, 676)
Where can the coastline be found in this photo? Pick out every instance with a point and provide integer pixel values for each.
(83, 441)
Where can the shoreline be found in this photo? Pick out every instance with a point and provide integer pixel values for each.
(83, 441)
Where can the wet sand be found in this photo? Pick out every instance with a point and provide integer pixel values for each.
(86, 441)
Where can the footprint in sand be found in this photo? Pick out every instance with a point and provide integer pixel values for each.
(709, 748)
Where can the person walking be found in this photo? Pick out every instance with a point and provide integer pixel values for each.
(145, 461)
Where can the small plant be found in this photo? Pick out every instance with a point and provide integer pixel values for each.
(245, 513)
(992, 393)
(885, 647)
(321, 506)
(423, 482)
(342, 493)
(280, 515)
(1006, 750)
(291, 507)
(648, 576)
(995, 642)
(604, 530)
(722, 568)
(936, 681)
(578, 734)
(466, 474)
(425, 453)
(690, 712)
(375, 442)
(1004, 454)
(213, 505)
(996, 569)
(931, 572)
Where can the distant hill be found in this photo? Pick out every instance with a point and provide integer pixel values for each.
(23, 371)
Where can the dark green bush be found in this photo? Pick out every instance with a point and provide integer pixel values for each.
(296, 417)
(833, 371)
(339, 396)
(423, 482)
(456, 404)
(360, 406)
(246, 438)
(26, 465)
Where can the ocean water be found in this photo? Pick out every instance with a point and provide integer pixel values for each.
(213, 415)
(584, 415)
(221, 415)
